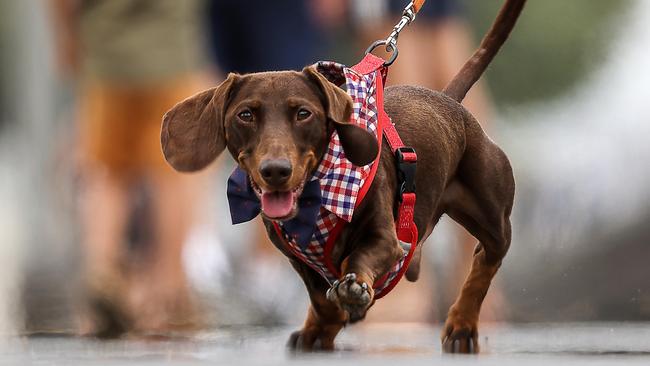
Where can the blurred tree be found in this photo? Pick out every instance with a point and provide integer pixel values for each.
(556, 43)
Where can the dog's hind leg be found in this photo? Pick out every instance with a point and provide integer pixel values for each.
(480, 199)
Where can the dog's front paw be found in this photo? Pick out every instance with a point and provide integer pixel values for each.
(459, 335)
(352, 295)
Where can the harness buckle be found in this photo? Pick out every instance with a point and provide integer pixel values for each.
(406, 160)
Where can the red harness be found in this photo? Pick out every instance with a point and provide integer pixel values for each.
(406, 160)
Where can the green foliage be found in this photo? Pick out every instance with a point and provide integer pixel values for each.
(555, 44)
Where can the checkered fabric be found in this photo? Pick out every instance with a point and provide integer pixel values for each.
(340, 180)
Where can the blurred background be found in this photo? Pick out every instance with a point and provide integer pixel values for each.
(98, 235)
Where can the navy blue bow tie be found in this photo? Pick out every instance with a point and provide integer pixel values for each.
(245, 206)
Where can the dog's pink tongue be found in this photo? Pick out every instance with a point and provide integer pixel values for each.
(277, 204)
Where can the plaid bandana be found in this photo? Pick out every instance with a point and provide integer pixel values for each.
(341, 180)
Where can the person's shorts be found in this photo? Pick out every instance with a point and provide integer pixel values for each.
(262, 35)
(119, 126)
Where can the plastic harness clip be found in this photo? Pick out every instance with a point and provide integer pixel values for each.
(406, 160)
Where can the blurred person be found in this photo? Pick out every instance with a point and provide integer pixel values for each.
(132, 61)
(431, 51)
(259, 35)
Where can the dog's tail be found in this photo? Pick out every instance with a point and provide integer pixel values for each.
(490, 45)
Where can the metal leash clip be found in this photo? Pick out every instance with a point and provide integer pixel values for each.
(408, 15)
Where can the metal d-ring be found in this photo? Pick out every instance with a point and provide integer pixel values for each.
(390, 47)
(408, 16)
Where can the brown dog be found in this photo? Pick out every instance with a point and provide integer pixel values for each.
(277, 125)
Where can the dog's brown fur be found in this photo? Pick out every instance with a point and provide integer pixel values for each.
(461, 173)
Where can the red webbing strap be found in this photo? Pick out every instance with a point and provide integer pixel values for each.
(406, 229)
(370, 63)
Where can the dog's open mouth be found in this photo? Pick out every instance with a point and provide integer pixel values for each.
(278, 205)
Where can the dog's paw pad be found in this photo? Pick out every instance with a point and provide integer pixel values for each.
(351, 296)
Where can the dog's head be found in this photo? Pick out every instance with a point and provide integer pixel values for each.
(276, 125)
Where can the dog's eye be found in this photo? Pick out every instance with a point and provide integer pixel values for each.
(246, 116)
(303, 114)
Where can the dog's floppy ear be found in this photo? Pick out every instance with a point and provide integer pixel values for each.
(192, 134)
(360, 146)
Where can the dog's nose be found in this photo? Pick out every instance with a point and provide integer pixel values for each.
(275, 172)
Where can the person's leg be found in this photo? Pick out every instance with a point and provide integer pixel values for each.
(447, 45)
(162, 295)
(104, 207)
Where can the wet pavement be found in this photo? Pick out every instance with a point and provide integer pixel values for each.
(373, 344)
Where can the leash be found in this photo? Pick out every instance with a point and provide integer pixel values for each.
(408, 16)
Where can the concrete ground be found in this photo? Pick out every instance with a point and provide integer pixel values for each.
(376, 344)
